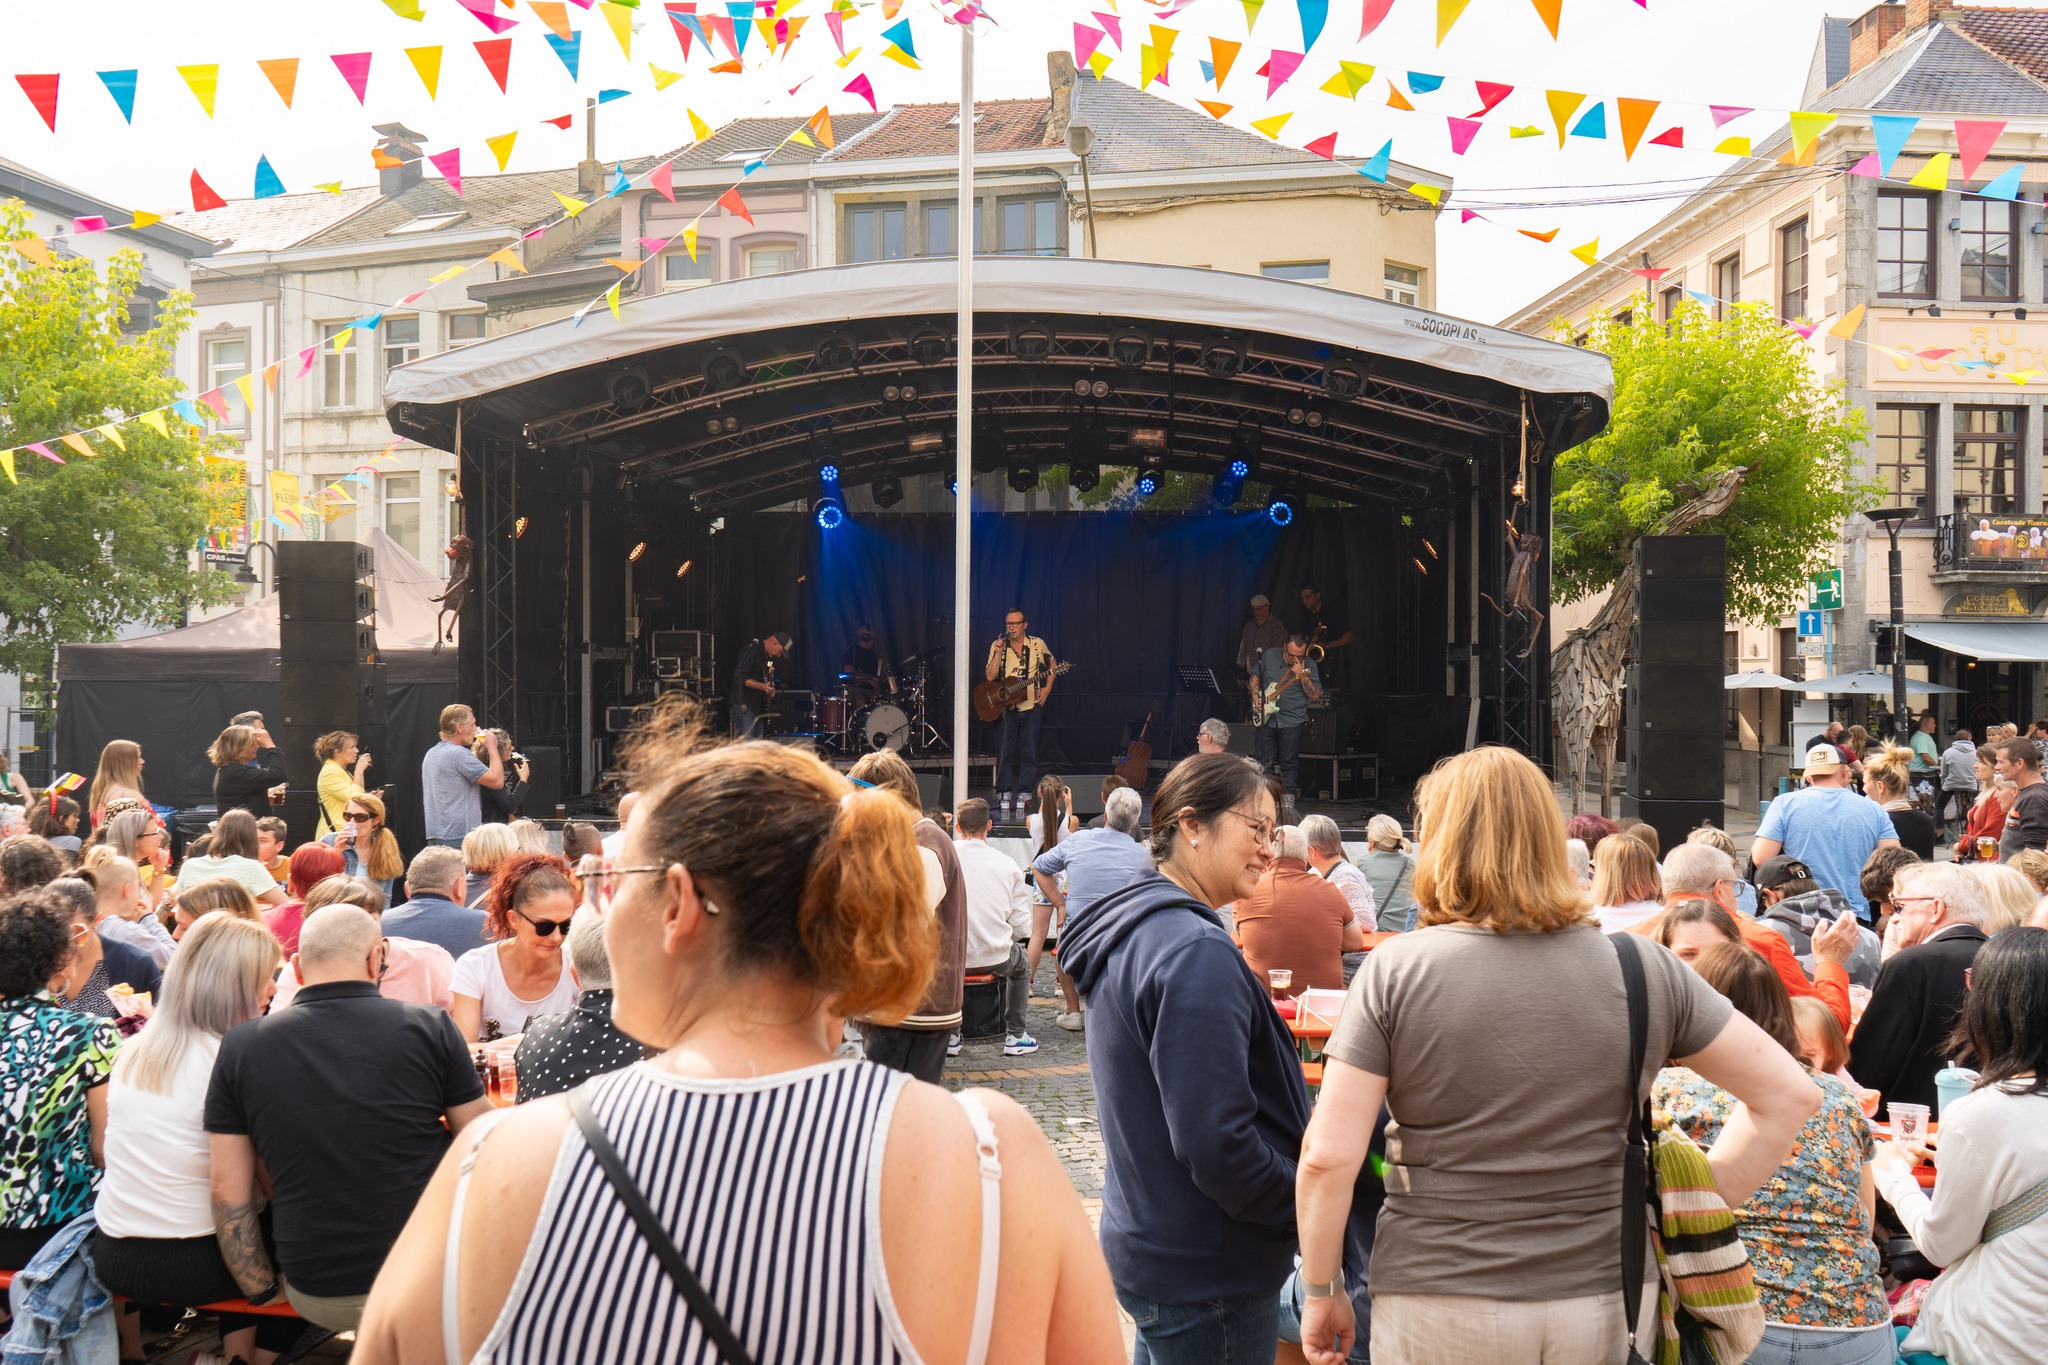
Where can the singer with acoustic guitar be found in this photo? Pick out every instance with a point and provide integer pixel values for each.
(1289, 680)
(1023, 665)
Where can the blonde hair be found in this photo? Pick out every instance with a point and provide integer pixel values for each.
(2008, 896)
(332, 743)
(2032, 864)
(120, 766)
(1890, 770)
(1626, 872)
(219, 893)
(1492, 844)
(344, 890)
(1819, 1029)
(484, 847)
(530, 835)
(1384, 832)
(383, 861)
(1713, 836)
(234, 741)
(213, 982)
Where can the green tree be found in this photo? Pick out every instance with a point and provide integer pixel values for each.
(94, 543)
(1693, 399)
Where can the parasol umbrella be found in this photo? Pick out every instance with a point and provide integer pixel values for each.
(1758, 679)
(1868, 681)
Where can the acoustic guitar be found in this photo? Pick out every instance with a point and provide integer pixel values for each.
(1135, 767)
(998, 695)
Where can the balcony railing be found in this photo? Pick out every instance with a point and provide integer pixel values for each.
(1977, 544)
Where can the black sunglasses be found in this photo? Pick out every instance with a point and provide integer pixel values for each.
(545, 927)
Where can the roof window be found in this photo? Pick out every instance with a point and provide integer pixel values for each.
(428, 222)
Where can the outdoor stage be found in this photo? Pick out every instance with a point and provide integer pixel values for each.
(697, 426)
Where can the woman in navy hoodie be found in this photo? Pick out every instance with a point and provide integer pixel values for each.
(1198, 1085)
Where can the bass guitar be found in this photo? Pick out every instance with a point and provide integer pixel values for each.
(998, 695)
(1135, 767)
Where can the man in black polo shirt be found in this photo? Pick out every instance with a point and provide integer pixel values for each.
(342, 1096)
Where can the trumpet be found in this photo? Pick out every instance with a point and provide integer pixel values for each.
(1315, 643)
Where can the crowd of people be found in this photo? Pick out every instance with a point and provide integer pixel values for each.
(698, 1068)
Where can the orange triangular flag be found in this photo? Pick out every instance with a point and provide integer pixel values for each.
(1223, 55)
(1215, 110)
(77, 443)
(1550, 10)
(1549, 236)
(506, 257)
(1635, 118)
(35, 249)
(284, 76)
(1395, 99)
(821, 126)
(731, 202)
(554, 14)
(622, 265)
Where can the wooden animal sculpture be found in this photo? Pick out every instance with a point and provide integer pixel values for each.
(456, 596)
(1521, 585)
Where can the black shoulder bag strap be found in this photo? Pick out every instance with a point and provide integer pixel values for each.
(657, 1238)
(1635, 1173)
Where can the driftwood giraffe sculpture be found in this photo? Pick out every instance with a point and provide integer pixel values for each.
(1586, 671)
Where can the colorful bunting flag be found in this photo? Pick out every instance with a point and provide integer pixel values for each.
(202, 80)
(859, 85)
(1463, 130)
(569, 49)
(35, 249)
(561, 121)
(1589, 252)
(1279, 68)
(506, 257)
(1652, 273)
(1421, 83)
(1324, 146)
(1151, 65)
(203, 197)
(427, 62)
(7, 463)
(1491, 93)
(570, 206)
(268, 186)
(1868, 166)
(620, 20)
(899, 35)
(42, 93)
(1395, 99)
(1111, 25)
(555, 15)
(1224, 53)
(449, 164)
(1674, 136)
(406, 9)
(1376, 167)
(1351, 78)
(1433, 193)
(1550, 10)
(1727, 113)
(731, 202)
(820, 127)
(1447, 12)
(1846, 328)
(2005, 186)
(1974, 140)
(1549, 236)
(1806, 126)
(306, 359)
(1634, 117)
(355, 69)
(1592, 123)
(121, 85)
(1524, 130)
(1375, 11)
(283, 75)
(501, 147)
(78, 443)
(1891, 131)
(112, 433)
(611, 299)
(1562, 103)
(699, 129)
(486, 15)
(1272, 124)
(1733, 146)
(91, 222)
(663, 79)
(663, 182)
(1215, 109)
(1934, 175)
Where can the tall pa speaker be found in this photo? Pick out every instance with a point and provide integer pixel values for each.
(544, 781)
(329, 671)
(1676, 700)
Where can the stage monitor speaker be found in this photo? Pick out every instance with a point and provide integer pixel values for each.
(932, 791)
(1244, 739)
(543, 781)
(1087, 789)
(1328, 731)
(1673, 820)
(325, 600)
(1676, 699)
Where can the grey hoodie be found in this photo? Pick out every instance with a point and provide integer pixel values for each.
(1959, 767)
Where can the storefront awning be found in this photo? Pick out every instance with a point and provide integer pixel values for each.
(1998, 642)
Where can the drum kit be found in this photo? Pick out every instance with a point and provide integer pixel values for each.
(869, 713)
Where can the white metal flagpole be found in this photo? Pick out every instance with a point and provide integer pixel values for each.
(963, 440)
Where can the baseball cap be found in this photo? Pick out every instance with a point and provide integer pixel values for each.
(1823, 758)
(1779, 870)
(1262, 601)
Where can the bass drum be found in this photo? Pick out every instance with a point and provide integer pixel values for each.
(886, 726)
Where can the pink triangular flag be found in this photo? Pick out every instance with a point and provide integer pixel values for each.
(661, 180)
(39, 448)
(1805, 329)
(1490, 94)
(1867, 166)
(306, 359)
(1375, 11)
(1654, 272)
(834, 20)
(1324, 146)
(1279, 68)
(862, 86)
(1111, 25)
(214, 399)
(1463, 130)
(1974, 139)
(652, 245)
(1727, 113)
(1466, 215)
(355, 69)
(449, 164)
(1086, 40)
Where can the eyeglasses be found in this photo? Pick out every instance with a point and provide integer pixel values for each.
(1914, 900)
(149, 834)
(545, 927)
(608, 874)
(357, 815)
(1263, 830)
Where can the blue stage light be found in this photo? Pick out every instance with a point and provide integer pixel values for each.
(1280, 511)
(831, 512)
(1148, 484)
(829, 472)
(1239, 469)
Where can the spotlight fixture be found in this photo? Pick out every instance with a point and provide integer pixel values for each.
(1312, 418)
(1087, 443)
(1223, 492)
(828, 472)
(1222, 359)
(1147, 438)
(724, 370)
(1130, 349)
(518, 527)
(1431, 548)
(1148, 483)
(1084, 477)
(924, 442)
(831, 515)
(721, 424)
(953, 484)
(684, 567)
(633, 555)
(630, 390)
(1280, 511)
(1343, 381)
(1240, 470)
(1091, 388)
(1030, 341)
(836, 352)
(887, 491)
(1023, 477)
(929, 348)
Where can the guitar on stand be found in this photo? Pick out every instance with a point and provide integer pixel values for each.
(998, 695)
(1135, 766)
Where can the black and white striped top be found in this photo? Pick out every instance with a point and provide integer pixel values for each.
(772, 1189)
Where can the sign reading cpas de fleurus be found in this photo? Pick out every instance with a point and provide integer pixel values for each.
(2003, 344)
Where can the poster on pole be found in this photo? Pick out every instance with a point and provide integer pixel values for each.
(225, 487)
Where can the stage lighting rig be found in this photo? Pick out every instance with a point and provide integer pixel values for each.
(887, 491)
(927, 442)
(1148, 483)
(1131, 349)
(929, 348)
(1023, 477)
(724, 370)
(717, 425)
(1098, 389)
(1031, 341)
(1280, 511)
(1344, 382)
(1222, 359)
(837, 352)
(831, 513)
(630, 390)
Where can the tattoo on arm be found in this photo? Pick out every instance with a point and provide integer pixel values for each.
(241, 1244)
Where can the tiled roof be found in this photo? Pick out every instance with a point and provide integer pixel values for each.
(1830, 59)
(276, 223)
(1139, 132)
(757, 135)
(2018, 35)
(487, 201)
(1939, 71)
(932, 130)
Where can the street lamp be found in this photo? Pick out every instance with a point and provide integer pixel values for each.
(1892, 518)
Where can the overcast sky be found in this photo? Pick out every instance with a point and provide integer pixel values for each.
(1727, 52)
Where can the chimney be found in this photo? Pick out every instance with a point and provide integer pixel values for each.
(1872, 32)
(1059, 72)
(1921, 13)
(590, 171)
(400, 144)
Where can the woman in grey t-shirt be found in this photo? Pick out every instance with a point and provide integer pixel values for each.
(1497, 1035)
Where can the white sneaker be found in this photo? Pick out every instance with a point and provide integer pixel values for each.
(1070, 1022)
(953, 1046)
(1017, 1044)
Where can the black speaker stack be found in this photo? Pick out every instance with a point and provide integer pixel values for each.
(330, 672)
(1676, 697)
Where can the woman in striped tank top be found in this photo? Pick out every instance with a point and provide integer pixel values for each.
(832, 1211)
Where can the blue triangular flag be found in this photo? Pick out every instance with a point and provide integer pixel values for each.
(1314, 14)
(619, 181)
(121, 85)
(1376, 169)
(607, 96)
(899, 34)
(569, 49)
(756, 164)
(742, 11)
(1699, 297)
(1208, 72)
(268, 186)
(185, 408)
(1592, 123)
(742, 29)
(2006, 186)
(368, 324)
(1421, 84)
(692, 23)
(1892, 130)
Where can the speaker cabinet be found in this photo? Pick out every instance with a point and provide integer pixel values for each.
(1676, 699)
(543, 781)
(1673, 820)
(334, 561)
(1244, 739)
(327, 642)
(931, 790)
(1087, 789)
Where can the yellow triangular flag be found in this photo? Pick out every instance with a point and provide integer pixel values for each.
(427, 61)
(450, 273)
(897, 54)
(698, 127)
(1272, 125)
(2022, 376)
(1395, 99)
(1429, 192)
(1163, 39)
(801, 138)
(143, 220)
(334, 186)
(1524, 130)
(1589, 252)
(611, 298)
(1733, 146)
(690, 240)
(506, 257)
(1934, 175)
(246, 385)
(501, 147)
(203, 80)
(1150, 64)
(77, 443)
(1562, 103)
(341, 339)
(622, 265)
(621, 20)
(35, 249)
(571, 206)
(155, 422)
(846, 59)
(1846, 328)
(1351, 78)
(1447, 12)
(1098, 63)
(7, 462)
(112, 433)
(1806, 127)
(663, 79)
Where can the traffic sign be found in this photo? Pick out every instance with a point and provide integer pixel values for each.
(1809, 623)
(1827, 591)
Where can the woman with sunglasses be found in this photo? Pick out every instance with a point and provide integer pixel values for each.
(368, 850)
(521, 975)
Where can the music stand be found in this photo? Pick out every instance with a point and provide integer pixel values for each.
(1195, 679)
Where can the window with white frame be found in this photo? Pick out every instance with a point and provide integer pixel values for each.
(464, 329)
(1399, 283)
(1311, 272)
(768, 260)
(679, 271)
(226, 361)
(402, 511)
(337, 368)
(401, 341)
